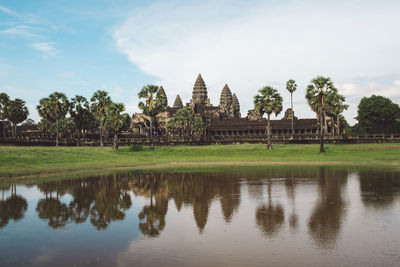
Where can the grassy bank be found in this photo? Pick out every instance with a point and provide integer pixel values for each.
(25, 162)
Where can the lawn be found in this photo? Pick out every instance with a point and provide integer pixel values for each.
(26, 162)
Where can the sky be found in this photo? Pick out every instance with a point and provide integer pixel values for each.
(78, 47)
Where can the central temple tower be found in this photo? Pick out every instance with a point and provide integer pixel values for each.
(199, 95)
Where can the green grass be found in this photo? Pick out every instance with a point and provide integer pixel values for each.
(34, 162)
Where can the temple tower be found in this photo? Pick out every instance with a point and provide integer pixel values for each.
(236, 106)
(225, 101)
(162, 92)
(199, 95)
(178, 102)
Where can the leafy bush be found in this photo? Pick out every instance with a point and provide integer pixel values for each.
(135, 147)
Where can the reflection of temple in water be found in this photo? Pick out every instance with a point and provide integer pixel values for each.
(103, 200)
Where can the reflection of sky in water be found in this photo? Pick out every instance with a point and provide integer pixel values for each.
(313, 216)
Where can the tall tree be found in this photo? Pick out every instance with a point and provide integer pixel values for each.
(81, 115)
(53, 108)
(115, 121)
(291, 86)
(268, 101)
(100, 100)
(153, 103)
(337, 108)
(318, 92)
(378, 114)
(17, 112)
(186, 121)
(4, 100)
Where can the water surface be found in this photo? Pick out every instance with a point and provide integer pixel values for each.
(313, 216)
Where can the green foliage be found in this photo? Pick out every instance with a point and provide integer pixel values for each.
(4, 100)
(80, 113)
(100, 100)
(319, 93)
(268, 101)
(114, 120)
(53, 107)
(378, 114)
(184, 120)
(65, 126)
(153, 100)
(17, 111)
(291, 86)
(135, 147)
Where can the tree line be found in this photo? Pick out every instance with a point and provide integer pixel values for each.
(376, 114)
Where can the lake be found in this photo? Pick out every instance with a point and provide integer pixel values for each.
(314, 216)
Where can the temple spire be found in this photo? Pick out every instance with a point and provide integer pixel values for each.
(225, 101)
(161, 92)
(199, 95)
(178, 102)
(236, 106)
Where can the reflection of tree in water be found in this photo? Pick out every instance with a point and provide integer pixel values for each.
(290, 184)
(54, 211)
(105, 199)
(379, 188)
(326, 219)
(12, 208)
(270, 218)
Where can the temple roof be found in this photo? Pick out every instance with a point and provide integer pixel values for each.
(226, 96)
(235, 102)
(199, 90)
(162, 92)
(178, 102)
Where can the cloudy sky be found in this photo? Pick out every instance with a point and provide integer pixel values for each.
(81, 46)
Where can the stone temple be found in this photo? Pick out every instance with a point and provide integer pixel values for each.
(224, 123)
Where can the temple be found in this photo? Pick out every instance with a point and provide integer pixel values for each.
(224, 123)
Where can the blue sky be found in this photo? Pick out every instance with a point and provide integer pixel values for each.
(81, 46)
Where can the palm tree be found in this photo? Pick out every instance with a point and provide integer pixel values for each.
(268, 101)
(17, 112)
(53, 108)
(153, 104)
(318, 94)
(81, 115)
(100, 100)
(291, 86)
(184, 119)
(4, 100)
(337, 108)
(115, 120)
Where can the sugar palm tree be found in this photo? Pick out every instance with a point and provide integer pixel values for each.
(268, 101)
(53, 108)
(153, 103)
(80, 114)
(318, 94)
(17, 112)
(115, 120)
(100, 100)
(337, 108)
(291, 86)
(4, 100)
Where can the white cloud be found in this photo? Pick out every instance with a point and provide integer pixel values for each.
(24, 31)
(8, 11)
(248, 44)
(46, 47)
